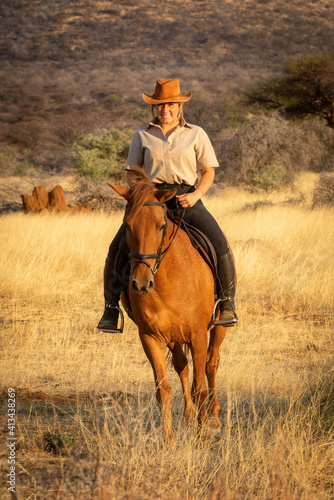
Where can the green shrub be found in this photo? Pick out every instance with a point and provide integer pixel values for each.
(143, 114)
(267, 178)
(115, 100)
(54, 443)
(103, 157)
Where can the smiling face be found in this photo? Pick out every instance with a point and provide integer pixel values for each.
(168, 113)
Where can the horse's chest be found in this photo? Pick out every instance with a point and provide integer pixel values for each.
(167, 327)
(171, 315)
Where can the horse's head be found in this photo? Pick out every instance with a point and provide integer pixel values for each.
(145, 221)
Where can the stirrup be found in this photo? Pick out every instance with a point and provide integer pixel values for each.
(115, 330)
(219, 322)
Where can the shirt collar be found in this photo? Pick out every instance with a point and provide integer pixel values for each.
(154, 123)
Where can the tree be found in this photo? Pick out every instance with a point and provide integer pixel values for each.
(305, 87)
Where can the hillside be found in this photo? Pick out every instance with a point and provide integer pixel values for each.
(63, 63)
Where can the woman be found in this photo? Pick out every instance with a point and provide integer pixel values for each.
(171, 152)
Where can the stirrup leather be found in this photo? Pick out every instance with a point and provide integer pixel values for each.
(218, 322)
(116, 330)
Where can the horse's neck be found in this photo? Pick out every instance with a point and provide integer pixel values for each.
(179, 243)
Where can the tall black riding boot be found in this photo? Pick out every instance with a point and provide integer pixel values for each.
(113, 285)
(226, 275)
(109, 321)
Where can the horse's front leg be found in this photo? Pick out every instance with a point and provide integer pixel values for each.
(180, 364)
(156, 356)
(217, 336)
(199, 388)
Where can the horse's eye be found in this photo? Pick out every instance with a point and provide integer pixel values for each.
(163, 227)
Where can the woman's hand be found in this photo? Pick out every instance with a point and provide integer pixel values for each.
(189, 199)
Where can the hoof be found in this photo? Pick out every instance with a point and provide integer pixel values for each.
(207, 432)
(214, 423)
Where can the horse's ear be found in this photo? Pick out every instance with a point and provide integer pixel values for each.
(165, 194)
(122, 191)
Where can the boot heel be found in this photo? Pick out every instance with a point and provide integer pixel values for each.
(106, 322)
(220, 322)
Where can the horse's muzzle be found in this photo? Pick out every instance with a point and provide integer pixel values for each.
(143, 278)
(142, 286)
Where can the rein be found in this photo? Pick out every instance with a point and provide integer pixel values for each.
(139, 258)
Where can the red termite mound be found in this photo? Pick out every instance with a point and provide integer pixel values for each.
(54, 201)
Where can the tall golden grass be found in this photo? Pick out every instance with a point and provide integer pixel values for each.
(275, 382)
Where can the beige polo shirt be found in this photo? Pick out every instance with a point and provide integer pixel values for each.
(175, 160)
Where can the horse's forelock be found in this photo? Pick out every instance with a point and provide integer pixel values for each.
(140, 192)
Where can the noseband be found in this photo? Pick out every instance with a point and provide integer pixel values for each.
(140, 258)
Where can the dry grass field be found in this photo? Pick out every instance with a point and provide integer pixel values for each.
(87, 425)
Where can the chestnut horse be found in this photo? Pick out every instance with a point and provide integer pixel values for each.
(171, 292)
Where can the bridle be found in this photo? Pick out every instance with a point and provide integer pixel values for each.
(139, 258)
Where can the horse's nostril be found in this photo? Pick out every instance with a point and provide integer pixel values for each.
(144, 289)
(135, 286)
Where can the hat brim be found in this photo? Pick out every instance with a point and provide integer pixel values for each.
(151, 100)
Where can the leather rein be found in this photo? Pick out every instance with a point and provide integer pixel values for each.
(140, 258)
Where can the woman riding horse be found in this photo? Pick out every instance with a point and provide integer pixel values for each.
(171, 151)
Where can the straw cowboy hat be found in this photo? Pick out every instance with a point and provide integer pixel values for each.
(166, 90)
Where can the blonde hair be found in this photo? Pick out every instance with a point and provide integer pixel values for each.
(179, 114)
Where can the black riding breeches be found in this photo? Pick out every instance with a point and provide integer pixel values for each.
(199, 217)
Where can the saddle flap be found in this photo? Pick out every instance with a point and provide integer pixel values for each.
(199, 241)
(204, 246)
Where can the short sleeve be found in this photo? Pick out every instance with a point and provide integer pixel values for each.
(205, 154)
(136, 153)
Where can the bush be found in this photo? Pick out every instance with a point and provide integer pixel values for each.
(114, 100)
(267, 178)
(103, 157)
(143, 114)
(323, 193)
(306, 87)
(55, 443)
(268, 151)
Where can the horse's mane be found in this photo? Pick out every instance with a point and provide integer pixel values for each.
(140, 192)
